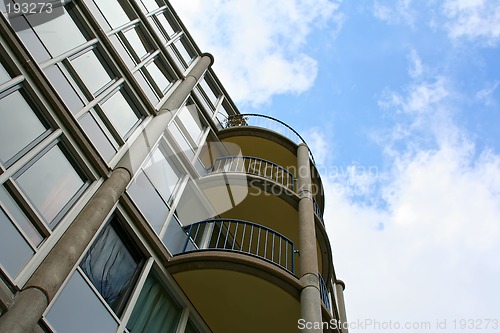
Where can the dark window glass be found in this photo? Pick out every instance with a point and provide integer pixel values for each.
(112, 267)
(155, 311)
(19, 217)
(50, 184)
(97, 136)
(14, 250)
(19, 126)
(190, 328)
(149, 201)
(78, 310)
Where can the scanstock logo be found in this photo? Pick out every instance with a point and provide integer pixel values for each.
(25, 14)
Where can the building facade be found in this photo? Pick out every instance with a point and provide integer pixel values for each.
(134, 197)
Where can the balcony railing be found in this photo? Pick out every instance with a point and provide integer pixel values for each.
(255, 166)
(270, 123)
(325, 294)
(318, 211)
(243, 237)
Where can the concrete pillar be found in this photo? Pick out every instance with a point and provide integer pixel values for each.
(31, 302)
(339, 288)
(310, 297)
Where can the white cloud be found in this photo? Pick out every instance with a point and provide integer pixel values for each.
(416, 67)
(261, 46)
(400, 12)
(473, 19)
(428, 252)
(486, 95)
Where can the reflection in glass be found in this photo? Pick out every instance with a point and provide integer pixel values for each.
(14, 251)
(148, 201)
(50, 183)
(160, 79)
(19, 217)
(138, 45)
(91, 71)
(78, 310)
(190, 118)
(98, 138)
(111, 268)
(175, 237)
(155, 311)
(113, 12)
(163, 174)
(19, 126)
(165, 24)
(121, 114)
(64, 88)
(59, 34)
(183, 52)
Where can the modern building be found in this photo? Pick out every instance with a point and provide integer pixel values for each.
(134, 197)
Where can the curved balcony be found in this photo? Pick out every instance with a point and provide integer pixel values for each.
(255, 166)
(241, 237)
(266, 122)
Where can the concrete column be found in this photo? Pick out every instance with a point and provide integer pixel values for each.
(31, 302)
(339, 288)
(310, 297)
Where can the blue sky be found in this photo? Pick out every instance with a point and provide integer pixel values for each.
(400, 103)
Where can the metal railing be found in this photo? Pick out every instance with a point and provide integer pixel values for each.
(318, 211)
(267, 122)
(243, 237)
(255, 166)
(325, 294)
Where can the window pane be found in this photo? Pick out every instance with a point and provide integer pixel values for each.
(163, 174)
(190, 328)
(64, 88)
(148, 201)
(175, 237)
(138, 45)
(79, 310)
(4, 75)
(98, 138)
(183, 52)
(160, 79)
(111, 268)
(59, 34)
(150, 5)
(113, 12)
(155, 311)
(165, 24)
(146, 87)
(91, 71)
(182, 141)
(190, 118)
(14, 251)
(208, 91)
(50, 183)
(120, 113)
(20, 218)
(19, 126)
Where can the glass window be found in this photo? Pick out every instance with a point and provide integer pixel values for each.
(190, 328)
(175, 237)
(208, 92)
(19, 217)
(149, 5)
(14, 250)
(4, 75)
(138, 44)
(120, 113)
(149, 201)
(78, 310)
(165, 24)
(91, 70)
(163, 173)
(97, 136)
(59, 34)
(185, 146)
(183, 52)
(155, 311)
(19, 126)
(146, 87)
(161, 80)
(113, 12)
(50, 184)
(112, 267)
(190, 119)
(64, 88)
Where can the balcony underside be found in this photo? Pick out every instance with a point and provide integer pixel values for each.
(238, 293)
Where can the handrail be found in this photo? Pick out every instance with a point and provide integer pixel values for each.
(241, 236)
(267, 122)
(325, 294)
(255, 166)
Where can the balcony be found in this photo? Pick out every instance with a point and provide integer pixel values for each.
(241, 237)
(266, 122)
(255, 166)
